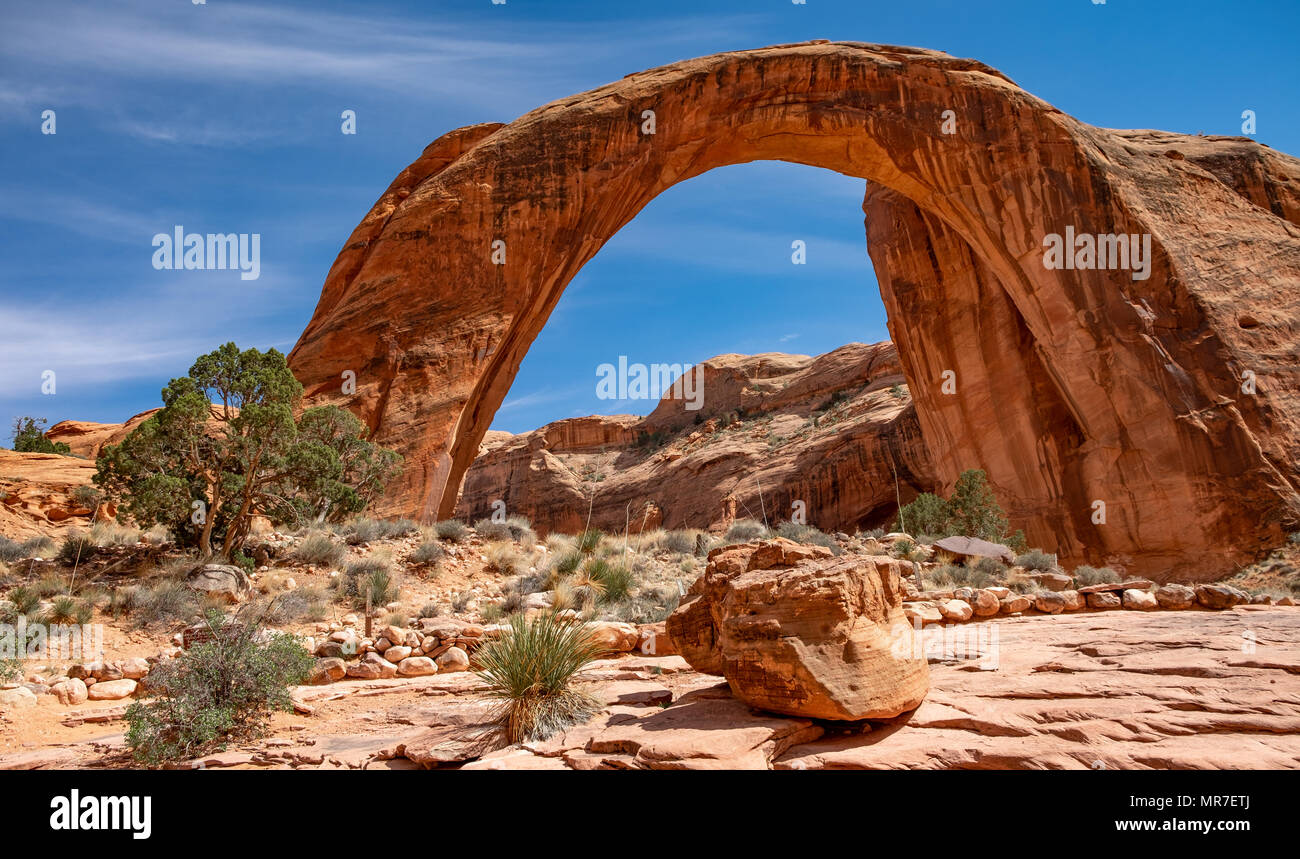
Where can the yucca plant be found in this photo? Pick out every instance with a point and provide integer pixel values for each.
(62, 611)
(589, 541)
(530, 667)
(24, 599)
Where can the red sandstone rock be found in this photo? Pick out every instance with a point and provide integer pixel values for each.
(1122, 390)
(795, 631)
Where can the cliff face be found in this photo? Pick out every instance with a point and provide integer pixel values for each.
(773, 429)
(1108, 407)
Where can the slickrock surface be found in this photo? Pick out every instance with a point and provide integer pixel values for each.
(36, 493)
(1070, 386)
(828, 431)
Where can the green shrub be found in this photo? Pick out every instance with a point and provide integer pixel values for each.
(219, 690)
(744, 530)
(1085, 575)
(370, 576)
(1037, 560)
(972, 511)
(589, 541)
(29, 437)
(530, 668)
(76, 548)
(25, 599)
(319, 550)
(615, 579)
(63, 611)
(11, 669)
(451, 530)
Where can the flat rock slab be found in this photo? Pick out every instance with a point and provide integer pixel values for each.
(1167, 690)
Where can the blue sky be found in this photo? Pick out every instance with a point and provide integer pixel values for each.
(225, 117)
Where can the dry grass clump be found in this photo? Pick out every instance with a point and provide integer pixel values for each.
(1085, 575)
(504, 558)
(320, 550)
(451, 530)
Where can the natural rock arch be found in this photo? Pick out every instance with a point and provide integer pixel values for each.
(1072, 386)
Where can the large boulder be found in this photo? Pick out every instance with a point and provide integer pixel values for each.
(799, 632)
(1175, 596)
(222, 581)
(973, 547)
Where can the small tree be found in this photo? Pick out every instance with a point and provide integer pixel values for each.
(226, 447)
(219, 690)
(972, 510)
(29, 437)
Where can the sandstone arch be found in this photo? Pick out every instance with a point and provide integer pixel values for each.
(1073, 386)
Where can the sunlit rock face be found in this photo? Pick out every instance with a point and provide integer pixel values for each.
(1148, 416)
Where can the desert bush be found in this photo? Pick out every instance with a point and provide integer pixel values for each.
(11, 550)
(651, 605)
(504, 558)
(430, 609)
(451, 530)
(307, 603)
(167, 602)
(75, 548)
(489, 530)
(49, 585)
(219, 690)
(1085, 575)
(365, 530)
(992, 568)
(369, 576)
(677, 542)
(1036, 560)
(11, 669)
(461, 601)
(530, 668)
(122, 601)
(318, 549)
(744, 530)
(86, 496)
(808, 535)
(428, 552)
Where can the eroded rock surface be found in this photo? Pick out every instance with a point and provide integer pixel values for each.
(796, 631)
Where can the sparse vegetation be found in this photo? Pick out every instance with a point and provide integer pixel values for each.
(451, 530)
(744, 530)
(809, 535)
(75, 548)
(371, 577)
(227, 441)
(219, 690)
(972, 511)
(1085, 575)
(29, 437)
(318, 549)
(427, 553)
(1037, 560)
